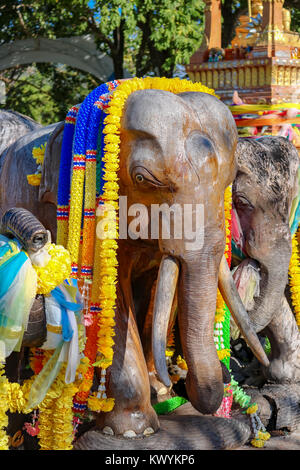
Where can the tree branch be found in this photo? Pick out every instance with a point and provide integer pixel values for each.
(91, 22)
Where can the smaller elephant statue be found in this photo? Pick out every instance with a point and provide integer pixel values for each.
(264, 189)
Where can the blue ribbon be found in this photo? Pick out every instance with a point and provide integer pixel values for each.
(67, 331)
(10, 268)
(296, 220)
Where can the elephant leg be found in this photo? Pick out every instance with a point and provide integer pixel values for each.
(128, 379)
(284, 337)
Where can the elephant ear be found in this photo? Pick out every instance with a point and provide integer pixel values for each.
(50, 172)
(245, 154)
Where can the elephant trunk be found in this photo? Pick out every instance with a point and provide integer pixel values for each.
(274, 276)
(272, 288)
(197, 292)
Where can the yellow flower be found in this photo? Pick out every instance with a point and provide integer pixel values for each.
(264, 435)
(257, 443)
(181, 363)
(294, 277)
(35, 179)
(223, 353)
(38, 153)
(252, 409)
(100, 404)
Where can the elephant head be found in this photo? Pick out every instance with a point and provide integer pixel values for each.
(263, 192)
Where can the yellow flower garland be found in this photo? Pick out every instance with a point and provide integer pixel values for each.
(56, 416)
(3, 409)
(220, 305)
(55, 411)
(294, 277)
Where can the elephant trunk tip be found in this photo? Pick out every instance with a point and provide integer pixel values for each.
(208, 400)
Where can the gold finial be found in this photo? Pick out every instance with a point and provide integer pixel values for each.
(249, 8)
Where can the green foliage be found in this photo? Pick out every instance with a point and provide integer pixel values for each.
(170, 29)
(170, 32)
(45, 92)
(147, 37)
(295, 23)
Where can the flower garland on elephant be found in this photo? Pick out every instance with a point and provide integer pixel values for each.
(294, 275)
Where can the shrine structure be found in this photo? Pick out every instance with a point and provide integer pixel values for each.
(262, 63)
(260, 69)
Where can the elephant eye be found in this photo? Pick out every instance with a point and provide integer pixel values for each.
(242, 202)
(143, 176)
(139, 178)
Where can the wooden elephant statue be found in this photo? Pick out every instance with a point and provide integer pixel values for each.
(176, 150)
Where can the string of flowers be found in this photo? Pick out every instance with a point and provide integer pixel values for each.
(13, 398)
(294, 276)
(64, 181)
(56, 416)
(244, 401)
(56, 270)
(92, 297)
(4, 407)
(55, 425)
(222, 315)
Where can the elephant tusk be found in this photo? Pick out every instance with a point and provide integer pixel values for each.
(163, 300)
(234, 303)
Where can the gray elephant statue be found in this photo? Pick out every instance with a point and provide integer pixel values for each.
(263, 192)
(12, 126)
(175, 149)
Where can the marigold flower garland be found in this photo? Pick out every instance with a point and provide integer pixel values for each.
(56, 415)
(222, 316)
(56, 270)
(294, 276)
(3, 409)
